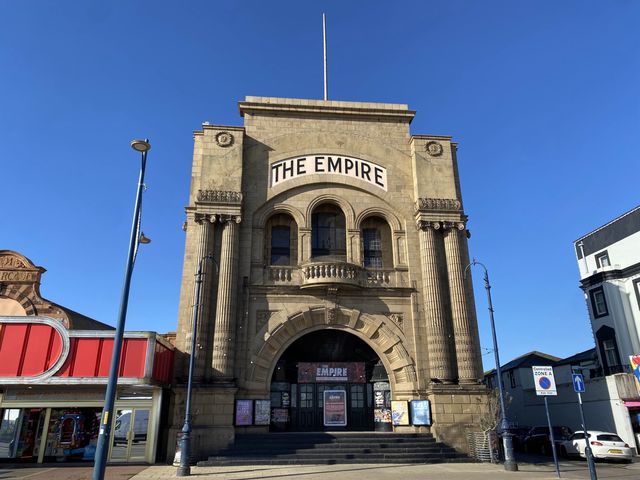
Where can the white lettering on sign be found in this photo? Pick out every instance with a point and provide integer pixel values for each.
(331, 372)
(291, 168)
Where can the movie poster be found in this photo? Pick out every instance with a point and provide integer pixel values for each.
(400, 412)
(420, 412)
(262, 414)
(244, 412)
(335, 408)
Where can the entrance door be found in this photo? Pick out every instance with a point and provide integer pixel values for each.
(306, 407)
(130, 435)
(359, 418)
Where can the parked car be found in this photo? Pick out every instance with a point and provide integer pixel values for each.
(538, 439)
(123, 426)
(603, 445)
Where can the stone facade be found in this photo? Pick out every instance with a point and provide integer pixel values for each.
(404, 293)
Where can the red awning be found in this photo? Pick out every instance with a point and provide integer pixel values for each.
(633, 403)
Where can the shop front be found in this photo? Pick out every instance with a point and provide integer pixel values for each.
(53, 384)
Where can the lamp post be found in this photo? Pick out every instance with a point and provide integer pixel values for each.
(509, 459)
(136, 238)
(184, 470)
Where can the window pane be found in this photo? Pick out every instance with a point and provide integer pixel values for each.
(599, 302)
(609, 438)
(328, 236)
(280, 245)
(372, 248)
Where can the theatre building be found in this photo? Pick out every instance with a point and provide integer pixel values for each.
(54, 365)
(337, 298)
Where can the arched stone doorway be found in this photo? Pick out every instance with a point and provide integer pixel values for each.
(330, 379)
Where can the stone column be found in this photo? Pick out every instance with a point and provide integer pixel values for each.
(204, 247)
(463, 330)
(223, 337)
(441, 360)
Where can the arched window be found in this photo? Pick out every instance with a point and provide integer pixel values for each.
(376, 243)
(282, 240)
(328, 237)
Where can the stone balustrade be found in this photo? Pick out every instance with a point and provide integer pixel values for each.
(331, 273)
(280, 274)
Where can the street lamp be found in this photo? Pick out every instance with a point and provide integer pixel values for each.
(137, 237)
(184, 470)
(509, 459)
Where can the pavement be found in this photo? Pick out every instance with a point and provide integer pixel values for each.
(532, 469)
(445, 471)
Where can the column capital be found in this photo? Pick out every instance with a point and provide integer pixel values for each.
(229, 218)
(201, 218)
(454, 225)
(427, 224)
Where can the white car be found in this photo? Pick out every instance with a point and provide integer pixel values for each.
(603, 445)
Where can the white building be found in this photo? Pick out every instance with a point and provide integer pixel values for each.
(609, 263)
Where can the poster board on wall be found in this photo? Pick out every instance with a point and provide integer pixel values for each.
(420, 412)
(400, 412)
(335, 408)
(244, 412)
(262, 412)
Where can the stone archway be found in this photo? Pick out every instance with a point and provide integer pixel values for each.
(275, 338)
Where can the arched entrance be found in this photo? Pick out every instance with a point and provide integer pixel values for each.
(329, 380)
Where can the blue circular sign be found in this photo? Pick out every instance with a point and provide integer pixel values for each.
(545, 383)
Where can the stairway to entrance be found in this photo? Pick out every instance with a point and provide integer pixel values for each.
(327, 448)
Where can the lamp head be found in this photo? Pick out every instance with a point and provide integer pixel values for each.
(144, 240)
(141, 145)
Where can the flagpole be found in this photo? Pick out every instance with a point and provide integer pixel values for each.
(324, 48)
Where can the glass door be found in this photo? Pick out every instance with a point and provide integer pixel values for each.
(130, 435)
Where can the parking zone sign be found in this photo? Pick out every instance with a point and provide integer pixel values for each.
(544, 380)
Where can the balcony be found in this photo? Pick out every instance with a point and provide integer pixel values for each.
(330, 273)
(333, 273)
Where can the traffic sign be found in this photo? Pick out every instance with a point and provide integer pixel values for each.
(578, 382)
(544, 381)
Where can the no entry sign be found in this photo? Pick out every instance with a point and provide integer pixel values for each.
(544, 381)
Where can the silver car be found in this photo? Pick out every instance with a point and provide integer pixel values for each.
(603, 445)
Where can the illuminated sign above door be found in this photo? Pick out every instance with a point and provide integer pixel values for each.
(324, 164)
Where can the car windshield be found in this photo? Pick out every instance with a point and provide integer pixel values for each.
(609, 437)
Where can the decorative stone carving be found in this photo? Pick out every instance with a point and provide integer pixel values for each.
(424, 225)
(224, 139)
(11, 262)
(434, 148)
(219, 196)
(262, 318)
(201, 218)
(453, 225)
(447, 204)
(398, 319)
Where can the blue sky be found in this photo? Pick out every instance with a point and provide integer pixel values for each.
(541, 96)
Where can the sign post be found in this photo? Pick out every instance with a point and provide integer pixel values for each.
(578, 387)
(545, 384)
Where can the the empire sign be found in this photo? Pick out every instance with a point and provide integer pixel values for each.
(352, 372)
(324, 164)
